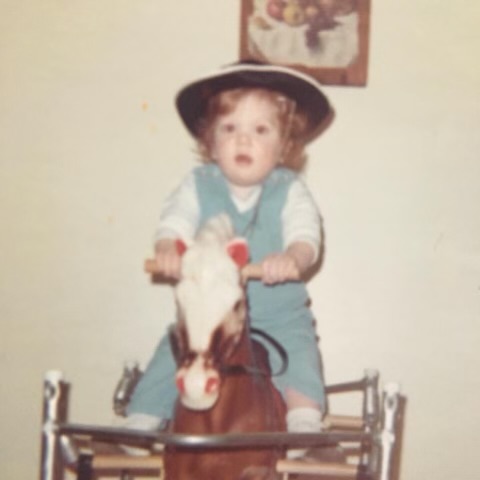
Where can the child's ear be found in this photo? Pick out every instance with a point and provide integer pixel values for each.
(287, 145)
(238, 251)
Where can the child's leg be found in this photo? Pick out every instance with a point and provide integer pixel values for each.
(154, 397)
(302, 384)
(304, 415)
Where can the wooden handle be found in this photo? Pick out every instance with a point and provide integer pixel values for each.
(251, 271)
(150, 266)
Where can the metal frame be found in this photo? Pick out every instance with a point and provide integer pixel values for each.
(375, 435)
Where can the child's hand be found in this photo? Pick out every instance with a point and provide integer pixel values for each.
(288, 265)
(278, 268)
(167, 258)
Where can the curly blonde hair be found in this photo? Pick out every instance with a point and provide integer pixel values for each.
(293, 123)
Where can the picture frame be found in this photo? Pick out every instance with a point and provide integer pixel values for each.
(327, 39)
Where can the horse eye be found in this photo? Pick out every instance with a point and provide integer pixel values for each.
(238, 306)
(179, 344)
(216, 346)
(174, 346)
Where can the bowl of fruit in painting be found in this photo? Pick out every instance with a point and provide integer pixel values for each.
(301, 29)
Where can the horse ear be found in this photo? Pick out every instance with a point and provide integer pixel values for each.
(181, 246)
(238, 250)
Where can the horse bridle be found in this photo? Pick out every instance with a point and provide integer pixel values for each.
(249, 370)
(239, 369)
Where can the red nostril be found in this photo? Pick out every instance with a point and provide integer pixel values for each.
(180, 382)
(212, 385)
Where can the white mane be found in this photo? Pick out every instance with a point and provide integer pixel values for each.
(210, 281)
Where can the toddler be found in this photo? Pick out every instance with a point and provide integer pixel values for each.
(251, 122)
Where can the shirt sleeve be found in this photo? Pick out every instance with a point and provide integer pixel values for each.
(301, 218)
(180, 214)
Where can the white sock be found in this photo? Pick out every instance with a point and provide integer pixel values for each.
(142, 421)
(139, 421)
(303, 420)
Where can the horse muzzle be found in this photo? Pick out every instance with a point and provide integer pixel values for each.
(198, 385)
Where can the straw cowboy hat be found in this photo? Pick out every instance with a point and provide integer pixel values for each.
(192, 99)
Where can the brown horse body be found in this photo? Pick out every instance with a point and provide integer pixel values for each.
(247, 403)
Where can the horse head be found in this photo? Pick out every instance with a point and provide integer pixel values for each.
(212, 311)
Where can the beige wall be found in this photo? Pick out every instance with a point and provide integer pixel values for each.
(90, 145)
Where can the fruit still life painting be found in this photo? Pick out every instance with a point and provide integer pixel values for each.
(310, 33)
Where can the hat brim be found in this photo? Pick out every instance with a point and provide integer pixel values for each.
(192, 99)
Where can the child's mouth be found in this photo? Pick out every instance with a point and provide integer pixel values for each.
(243, 159)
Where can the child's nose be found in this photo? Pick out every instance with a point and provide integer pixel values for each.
(243, 138)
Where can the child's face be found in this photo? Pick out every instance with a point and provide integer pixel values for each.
(247, 142)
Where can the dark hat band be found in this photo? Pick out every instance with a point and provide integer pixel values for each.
(192, 100)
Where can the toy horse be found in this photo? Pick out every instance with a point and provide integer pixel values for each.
(223, 377)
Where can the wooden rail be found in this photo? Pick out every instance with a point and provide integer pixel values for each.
(299, 467)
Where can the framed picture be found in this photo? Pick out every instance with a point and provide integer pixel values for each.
(327, 39)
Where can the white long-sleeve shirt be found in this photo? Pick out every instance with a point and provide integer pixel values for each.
(301, 221)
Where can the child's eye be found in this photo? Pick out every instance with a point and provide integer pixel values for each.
(227, 128)
(262, 129)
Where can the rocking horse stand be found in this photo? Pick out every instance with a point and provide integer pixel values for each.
(372, 438)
